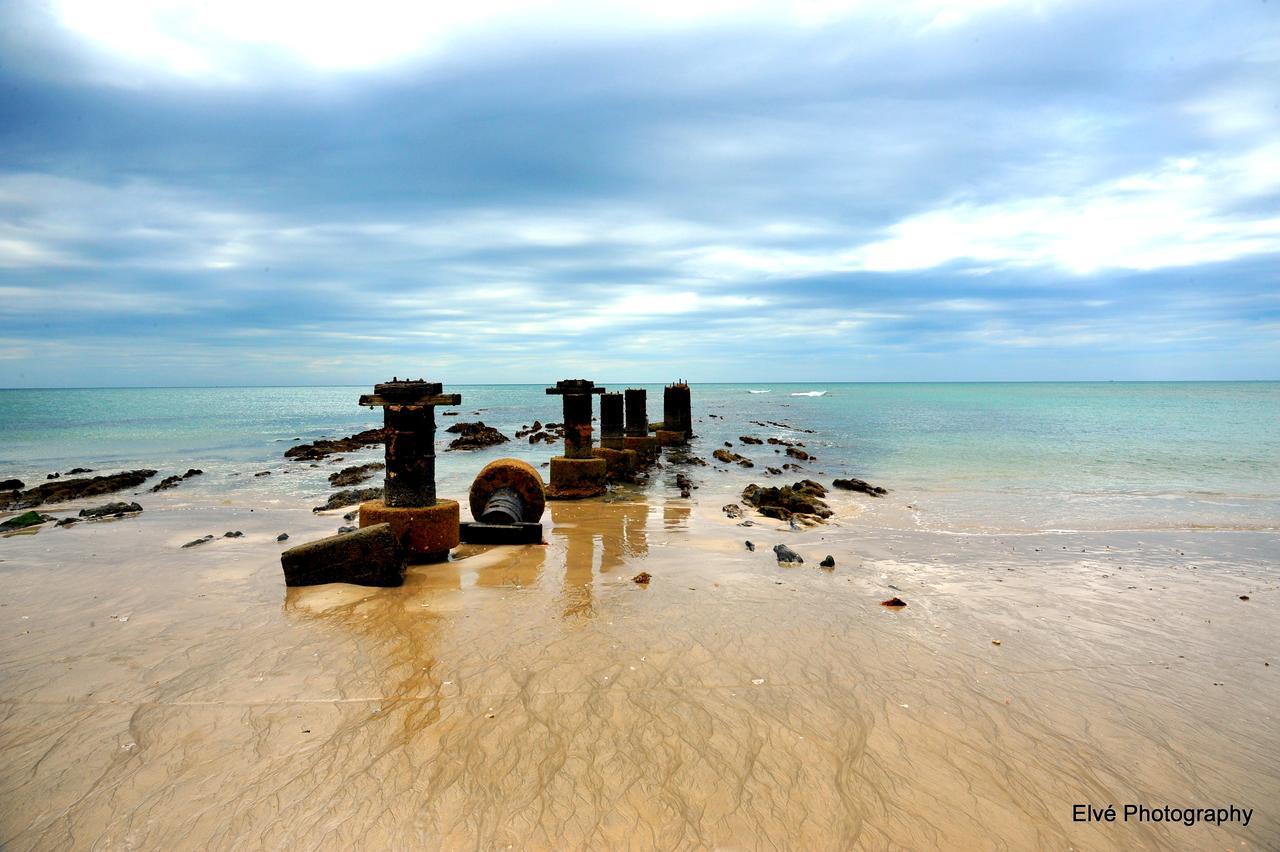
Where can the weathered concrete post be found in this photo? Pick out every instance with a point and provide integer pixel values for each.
(677, 415)
(611, 421)
(619, 461)
(577, 473)
(636, 431)
(425, 526)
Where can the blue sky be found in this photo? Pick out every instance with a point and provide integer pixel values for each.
(270, 192)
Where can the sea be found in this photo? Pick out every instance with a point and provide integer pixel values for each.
(965, 457)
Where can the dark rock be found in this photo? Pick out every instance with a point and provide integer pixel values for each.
(347, 529)
(355, 475)
(233, 534)
(349, 497)
(26, 519)
(76, 470)
(12, 485)
(642, 579)
(323, 448)
(263, 473)
(111, 510)
(801, 498)
(475, 436)
(173, 481)
(797, 453)
(72, 489)
(732, 458)
(201, 540)
(829, 562)
(53, 476)
(750, 546)
(852, 484)
(774, 470)
(66, 522)
(747, 439)
(351, 516)
(894, 602)
(368, 557)
(282, 537)
(733, 510)
(786, 554)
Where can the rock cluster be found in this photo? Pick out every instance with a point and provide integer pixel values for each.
(732, 458)
(355, 475)
(111, 510)
(802, 499)
(349, 497)
(322, 448)
(72, 489)
(475, 436)
(173, 481)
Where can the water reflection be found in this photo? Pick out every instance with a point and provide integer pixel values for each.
(596, 538)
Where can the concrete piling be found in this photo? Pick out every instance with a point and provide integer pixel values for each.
(577, 473)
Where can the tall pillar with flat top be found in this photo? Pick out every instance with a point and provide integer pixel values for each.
(577, 473)
(425, 526)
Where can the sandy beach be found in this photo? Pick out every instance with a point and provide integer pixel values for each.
(537, 697)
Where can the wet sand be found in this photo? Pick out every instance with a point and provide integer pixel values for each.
(536, 697)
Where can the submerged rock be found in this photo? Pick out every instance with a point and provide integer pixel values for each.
(173, 481)
(349, 497)
(797, 453)
(76, 470)
(747, 439)
(73, 489)
(111, 510)
(475, 436)
(642, 579)
(787, 555)
(322, 448)
(852, 484)
(233, 534)
(356, 474)
(202, 540)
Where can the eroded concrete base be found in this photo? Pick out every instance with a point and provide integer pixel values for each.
(575, 479)
(427, 533)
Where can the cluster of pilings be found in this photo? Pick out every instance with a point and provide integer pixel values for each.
(507, 498)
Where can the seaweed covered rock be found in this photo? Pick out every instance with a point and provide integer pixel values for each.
(322, 448)
(475, 436)
(803, 498)
(26, 519)
(355, 475)
(72, 489)
(853, 484)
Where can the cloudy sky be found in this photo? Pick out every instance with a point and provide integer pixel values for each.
(275, 192)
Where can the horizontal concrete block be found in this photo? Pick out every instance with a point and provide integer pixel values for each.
(370, 556)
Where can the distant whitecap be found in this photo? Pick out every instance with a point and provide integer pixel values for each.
(757, 391)
(810, 393)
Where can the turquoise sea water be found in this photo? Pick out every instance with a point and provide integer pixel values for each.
(1022, 455)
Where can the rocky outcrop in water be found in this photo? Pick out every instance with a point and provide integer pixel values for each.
(732, 458)
(12, 485)
(475, 436)
(349, 497)
(322, 448)
(175, 480)
(111, 510)
(355, 475)
(73, 489)
(852, 484)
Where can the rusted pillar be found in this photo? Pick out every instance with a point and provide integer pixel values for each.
(577, 473)
(636, 431)
(611, 421)
(677, 414)
(426, 526)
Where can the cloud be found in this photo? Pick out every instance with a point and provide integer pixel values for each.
(235, 193)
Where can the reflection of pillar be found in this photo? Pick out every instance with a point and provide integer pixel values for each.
(612, 529)
(635, 518)
(611, 420)
(579, 554)
(675, 516)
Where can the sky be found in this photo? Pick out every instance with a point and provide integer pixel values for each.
(289, 192)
